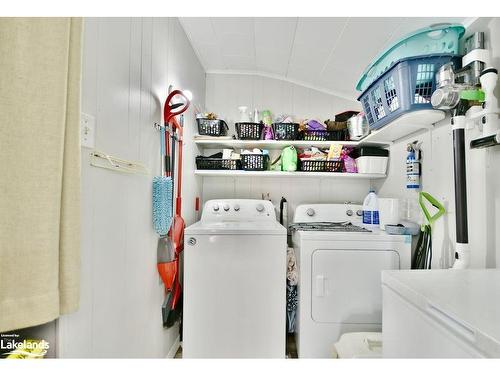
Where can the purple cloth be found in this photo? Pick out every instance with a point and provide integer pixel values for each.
(268, 133)
(315, 125)
(350, 165)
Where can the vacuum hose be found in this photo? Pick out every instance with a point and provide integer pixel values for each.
(462, 256)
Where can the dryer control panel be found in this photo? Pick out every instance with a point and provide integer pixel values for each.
(329, 212)
(238, 210)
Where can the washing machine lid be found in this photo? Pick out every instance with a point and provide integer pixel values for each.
(236, 227)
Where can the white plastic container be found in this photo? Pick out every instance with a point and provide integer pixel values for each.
(359, 345)
(389, 211)
(370, 211)
(372, 164)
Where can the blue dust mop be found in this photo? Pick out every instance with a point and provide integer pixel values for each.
(163, 194)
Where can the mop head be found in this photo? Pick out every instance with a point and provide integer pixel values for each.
(162, 204)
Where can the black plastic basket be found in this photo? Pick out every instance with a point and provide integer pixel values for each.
(325, 135)
(249, 130)
(214, 128)
(285, 131)
(321, 165)
(254, 162)
(217, 163)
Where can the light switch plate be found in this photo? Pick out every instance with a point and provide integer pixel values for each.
(87, 130)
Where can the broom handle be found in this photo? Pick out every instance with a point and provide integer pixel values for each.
(162, 150)
(179, 167)
(166, 145)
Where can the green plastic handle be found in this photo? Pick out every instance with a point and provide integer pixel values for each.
(441, 210)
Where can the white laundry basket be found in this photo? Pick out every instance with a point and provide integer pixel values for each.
(359, 345)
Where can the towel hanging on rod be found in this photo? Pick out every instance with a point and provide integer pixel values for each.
(103, 160)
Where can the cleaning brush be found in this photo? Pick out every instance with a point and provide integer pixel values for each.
(163, 193)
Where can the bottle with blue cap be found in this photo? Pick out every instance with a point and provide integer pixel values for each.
(370, 211)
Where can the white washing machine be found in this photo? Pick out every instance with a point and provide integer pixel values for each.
(235, 282)
(340, 266)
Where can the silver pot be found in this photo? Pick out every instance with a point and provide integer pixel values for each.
(358, 127)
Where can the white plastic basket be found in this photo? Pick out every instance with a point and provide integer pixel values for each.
(372, 164)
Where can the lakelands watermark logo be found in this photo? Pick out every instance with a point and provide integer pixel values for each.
(12, 346)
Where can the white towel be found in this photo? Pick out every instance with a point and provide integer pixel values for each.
(292, 277)
(290, 258)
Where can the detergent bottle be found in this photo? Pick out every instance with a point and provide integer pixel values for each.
(370, 211)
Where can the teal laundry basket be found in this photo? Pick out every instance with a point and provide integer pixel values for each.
(433, 40)
(406, 87)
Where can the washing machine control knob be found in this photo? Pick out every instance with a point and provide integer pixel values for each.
(260, 207)
(310, 212)
(215, 207)
(226, 207)
(359, 212)
(236, 207)
(349, 213)
(192, 241)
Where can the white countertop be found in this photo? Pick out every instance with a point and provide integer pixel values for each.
(469, 297)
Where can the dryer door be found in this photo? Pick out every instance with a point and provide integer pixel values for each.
(346, 284)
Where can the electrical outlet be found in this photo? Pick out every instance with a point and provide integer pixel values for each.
(87, 130)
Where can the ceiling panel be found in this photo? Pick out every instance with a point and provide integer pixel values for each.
(232, 25)
(328, 53)
(210, 56)
(274, 62)
(273, 43)
(315, 39)
(341, 81)
(237, 45)
(361, 40)
(240, 62)
(199, 29)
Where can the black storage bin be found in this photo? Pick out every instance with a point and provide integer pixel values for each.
(254, 162)
(249, 130)
(344, 116)
(369, 151)
(285, 131)
(321, 165)
(325, 135)
(214, 128)
(217, 163)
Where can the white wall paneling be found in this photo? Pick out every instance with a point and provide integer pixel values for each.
(492, 170)
(226, 92)
(483, 181)
(128, 65)
(438, 179)
(295, 190)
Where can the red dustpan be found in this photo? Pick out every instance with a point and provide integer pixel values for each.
(168, 273)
